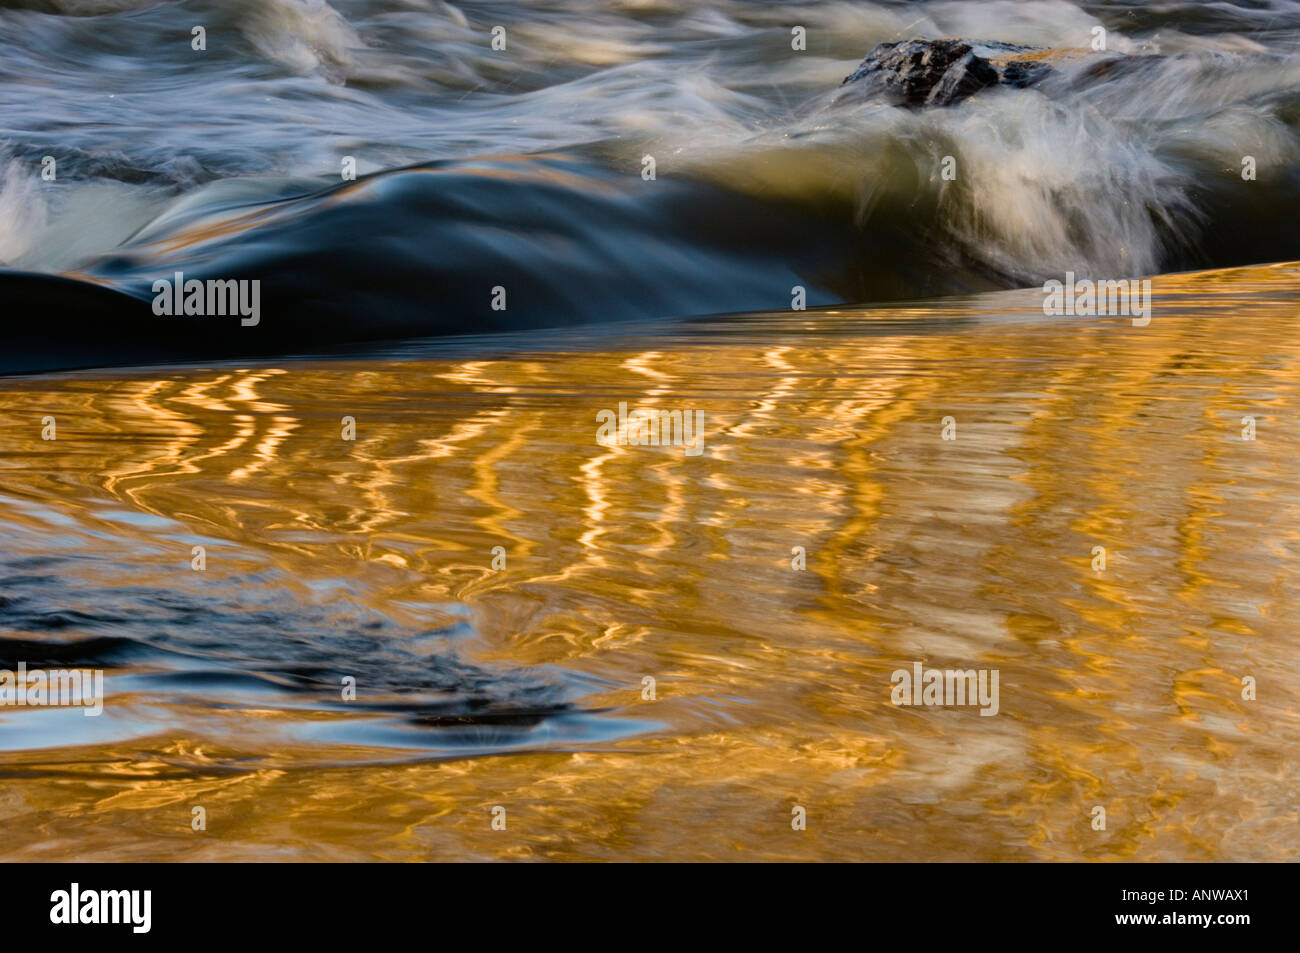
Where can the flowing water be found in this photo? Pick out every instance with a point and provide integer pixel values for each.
(374, 559)
(499, 582)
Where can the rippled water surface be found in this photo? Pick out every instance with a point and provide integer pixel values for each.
(522, 686)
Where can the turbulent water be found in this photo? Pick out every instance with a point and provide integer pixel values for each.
(525, 168)
(500, 583)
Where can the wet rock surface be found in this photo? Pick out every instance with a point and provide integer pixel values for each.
(917, 73)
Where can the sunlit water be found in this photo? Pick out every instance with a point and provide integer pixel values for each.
(522, 686)
(636, 651)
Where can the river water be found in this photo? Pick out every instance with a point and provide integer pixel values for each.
(522, 686)
(647, 652)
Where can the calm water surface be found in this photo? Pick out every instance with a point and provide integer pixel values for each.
(522, 686)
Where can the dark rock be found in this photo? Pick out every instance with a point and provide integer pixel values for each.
(964, 78)
(1022, 73)
(941, 72)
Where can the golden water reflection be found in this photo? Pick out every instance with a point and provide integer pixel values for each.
(1119, 688)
